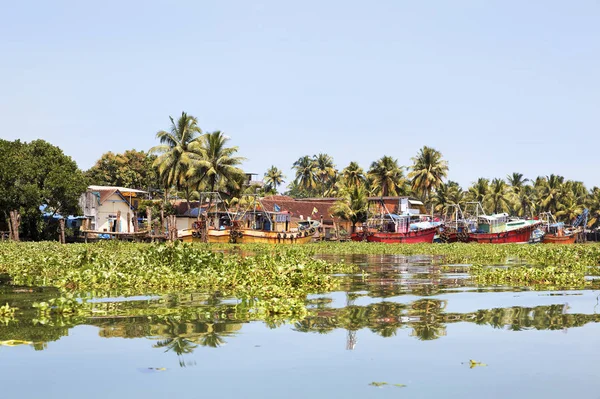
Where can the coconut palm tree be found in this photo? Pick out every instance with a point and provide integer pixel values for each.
(274, 177)
(516, 181)
(214, 164)
(593, 203)
(427, 171)
(325, 170)
(306, 173)
(479, 190)
(173, 161)
(352, 206)
(498, 196)
(353, 174)
(550, 189)
(569, 207)
(456, 195)
(525, 203)
(386, 177)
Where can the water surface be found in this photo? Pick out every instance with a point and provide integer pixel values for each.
(409, 321)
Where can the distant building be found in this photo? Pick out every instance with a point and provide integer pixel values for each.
(251, 180)
(304, 209)
(107, 207)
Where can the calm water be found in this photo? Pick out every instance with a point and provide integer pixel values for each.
(406, 323)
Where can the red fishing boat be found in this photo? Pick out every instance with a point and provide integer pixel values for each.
(556, 232)
(499, 229)
(408, 237)
(404, 224)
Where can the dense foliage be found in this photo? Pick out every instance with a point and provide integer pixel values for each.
(35, 175)
(131, 169)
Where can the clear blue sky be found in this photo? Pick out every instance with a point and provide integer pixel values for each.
(496, 86)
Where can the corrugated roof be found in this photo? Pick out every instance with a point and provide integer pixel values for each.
(115, 188)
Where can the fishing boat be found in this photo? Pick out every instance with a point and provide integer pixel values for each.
(555, 232)
(247, 223)
(456, 227)
(403, 224)
(262, 227)
(500, 228)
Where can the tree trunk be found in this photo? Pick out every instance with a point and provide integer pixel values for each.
(15, 219)
(172, 229)
(149, 219)
(61, 233)
(8, 221)
(162, 218)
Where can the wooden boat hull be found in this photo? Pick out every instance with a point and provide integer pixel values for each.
(552, 239)
(450, 235)
(517, 236)
(411, 237)
(358, 237)
(272, 237)
(214, 236)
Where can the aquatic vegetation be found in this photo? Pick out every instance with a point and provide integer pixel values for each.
(276, 284)
(382, 384)
(541, 265)
(7, 311)
(473, 364)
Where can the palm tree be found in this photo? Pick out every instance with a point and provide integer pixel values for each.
(479, 190)
(386, 177)
(440, 198)
(525, 203)
(456, 195)
(593, 203)
(353, 174)
(173, 161)
(214, 164)
(550, 190)
(306, 173)
(352, 206)
(498, 196)
(274, 177)
(428, 170)
(516, 182)
(325, 170)
(569, 207)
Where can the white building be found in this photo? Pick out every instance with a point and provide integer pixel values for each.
(101, 205)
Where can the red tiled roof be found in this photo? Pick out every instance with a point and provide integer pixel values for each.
(299, 207)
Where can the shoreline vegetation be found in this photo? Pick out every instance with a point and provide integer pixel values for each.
(38, 182)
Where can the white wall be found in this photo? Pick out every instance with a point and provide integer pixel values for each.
(110, 207)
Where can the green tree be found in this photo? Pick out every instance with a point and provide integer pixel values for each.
(132, 169)
(274, 178)
(353, 174)
(428, 171)
(214, 164)
(38, 174)
(353, 205)
(479, 190)
(306, 174)
(386, 177)
(516, 182)
(175, 151)
(325, 172)
(550, 189)
(497, 196)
